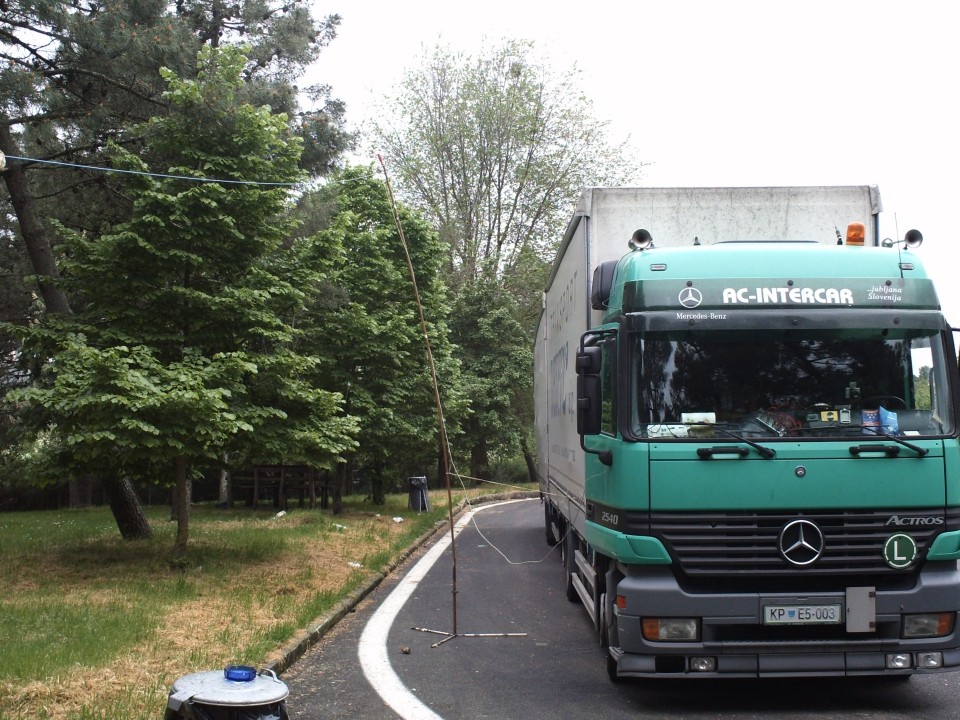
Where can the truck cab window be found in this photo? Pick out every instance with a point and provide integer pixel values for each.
(608, 386)
(760, 385)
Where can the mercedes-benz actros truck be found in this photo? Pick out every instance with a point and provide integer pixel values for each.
(746, 420)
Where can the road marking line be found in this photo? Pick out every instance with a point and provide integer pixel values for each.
(372, 649)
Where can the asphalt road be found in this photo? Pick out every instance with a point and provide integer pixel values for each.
(537, 657)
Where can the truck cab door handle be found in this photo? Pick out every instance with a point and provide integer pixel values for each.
(888, 450)
(708, 453)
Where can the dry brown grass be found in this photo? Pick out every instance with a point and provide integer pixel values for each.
(226, 609)
(217, 612)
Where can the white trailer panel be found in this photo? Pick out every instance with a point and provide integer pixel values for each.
(676, 216)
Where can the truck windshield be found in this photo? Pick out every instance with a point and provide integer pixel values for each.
(759, 385)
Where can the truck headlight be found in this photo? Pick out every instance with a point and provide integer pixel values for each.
(928, 625)
(899, 661)
(930, 660)
(671, 629)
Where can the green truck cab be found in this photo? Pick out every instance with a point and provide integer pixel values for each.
(770, 462)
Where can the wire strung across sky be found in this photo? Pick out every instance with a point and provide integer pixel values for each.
(149, 174)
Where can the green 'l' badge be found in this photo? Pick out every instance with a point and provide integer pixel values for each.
(900, 551)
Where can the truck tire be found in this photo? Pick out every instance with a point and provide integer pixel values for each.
(548, 524)
(602, 621)
(569, 566)
(600, 609)
(612, 669)
(608, 635)
(609, 632)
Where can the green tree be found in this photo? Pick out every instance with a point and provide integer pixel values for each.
(371, 329)
(77, 76)
(495, 150)
(921, 388)
(185, 351)
(496, 372)
(15, 307)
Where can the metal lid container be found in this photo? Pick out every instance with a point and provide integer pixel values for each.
(235, 686)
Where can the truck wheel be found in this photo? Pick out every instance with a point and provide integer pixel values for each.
(602, 621)
(548, 524)
(569, 564)
(609, 632)
(600, 609)
(612, 668)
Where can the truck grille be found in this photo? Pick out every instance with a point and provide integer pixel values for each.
(745, 544)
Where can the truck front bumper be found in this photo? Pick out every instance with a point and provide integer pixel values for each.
(735, 641)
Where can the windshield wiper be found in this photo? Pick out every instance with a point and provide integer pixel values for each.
(876, 431)
(764, 451)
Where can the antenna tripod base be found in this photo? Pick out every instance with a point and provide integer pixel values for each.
(450, 636)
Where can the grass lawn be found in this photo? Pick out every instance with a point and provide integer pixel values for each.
(93, 627)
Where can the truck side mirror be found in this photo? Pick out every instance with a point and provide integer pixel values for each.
(589, 393)
(602, 284)
(589, 360)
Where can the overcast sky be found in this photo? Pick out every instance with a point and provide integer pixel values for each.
(731, 93)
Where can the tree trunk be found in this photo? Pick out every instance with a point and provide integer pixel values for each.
(378, 494)
(81, 492)
(124, 502)
(126, 509)
(224, 498)
(325, 490)
(339, 485)
(479, 462)
(443, 478)
(34, 237)
(174, 498)
(182, 506)
(528, 459)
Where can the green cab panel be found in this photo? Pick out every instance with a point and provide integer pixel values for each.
(952, 472)
(625, 482)
(630, 549)
(945, 547)
(802, 475)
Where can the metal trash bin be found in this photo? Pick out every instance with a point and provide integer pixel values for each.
(419, 499)
(238, 692)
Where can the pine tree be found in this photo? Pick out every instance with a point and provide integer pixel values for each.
(77, 76)
(180, 351)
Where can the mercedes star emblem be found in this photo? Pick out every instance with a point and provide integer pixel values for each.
(801, 542)
(690, 298)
